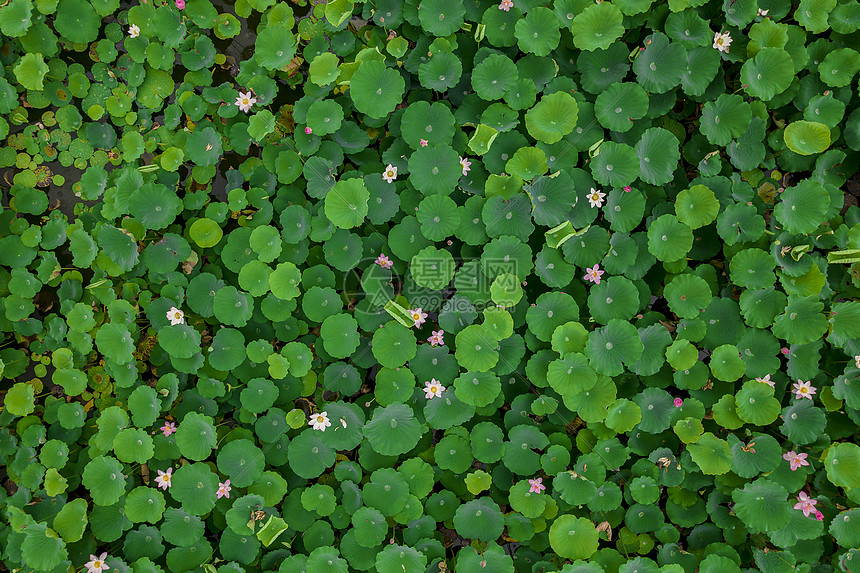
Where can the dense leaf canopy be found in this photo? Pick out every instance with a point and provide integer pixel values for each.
(403, 286)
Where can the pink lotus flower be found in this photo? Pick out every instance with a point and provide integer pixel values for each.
(766, 380)
(506, 5)
(678, 402)
(180, 4)
(308, 131)
(784, 351)
(805, 504)
(383, 261)
(163, 478)
(536, 485)
(223, 490)
(423, 142)
(418, 315)
(436, 338)
(593, 274)
(433, 389)
(795, 460)
(168, 428)
(627, 188)
(818, 515)
(803, 390)
(466, 165)
(96, 564)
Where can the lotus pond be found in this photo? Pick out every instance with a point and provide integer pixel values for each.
(429, 286)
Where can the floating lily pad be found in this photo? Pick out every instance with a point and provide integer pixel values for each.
(597, 27)
(552, 118)
(573, 537)
(346, 203)
(696, 206)
(669, 239)
(807, 137)
(620, 104)
(658, 156)
(762, 505)
(479, 519)
(274, 47)
(435, 169)
(768, 73)
(393, 430)
(376, 89)
(617, 164)
(538, 32)
(493, 76)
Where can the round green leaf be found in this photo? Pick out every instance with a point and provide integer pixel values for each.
(376, 89)
(103, 477)
(767, 74)
(144, 504)
(807, 137)
(573, 537)
(620, 104)
(696, 206)
(669, 239)
(195, 487)
(842, 463)
(393, 430)
(553, 117)
(274, 47)
(479, 519)
(597, 27)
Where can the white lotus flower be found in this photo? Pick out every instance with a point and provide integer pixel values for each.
(722, 41)
(97, 564)
(245, 101)
(390, 173)
(320, 421)
(595, 198)
(175, 316)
